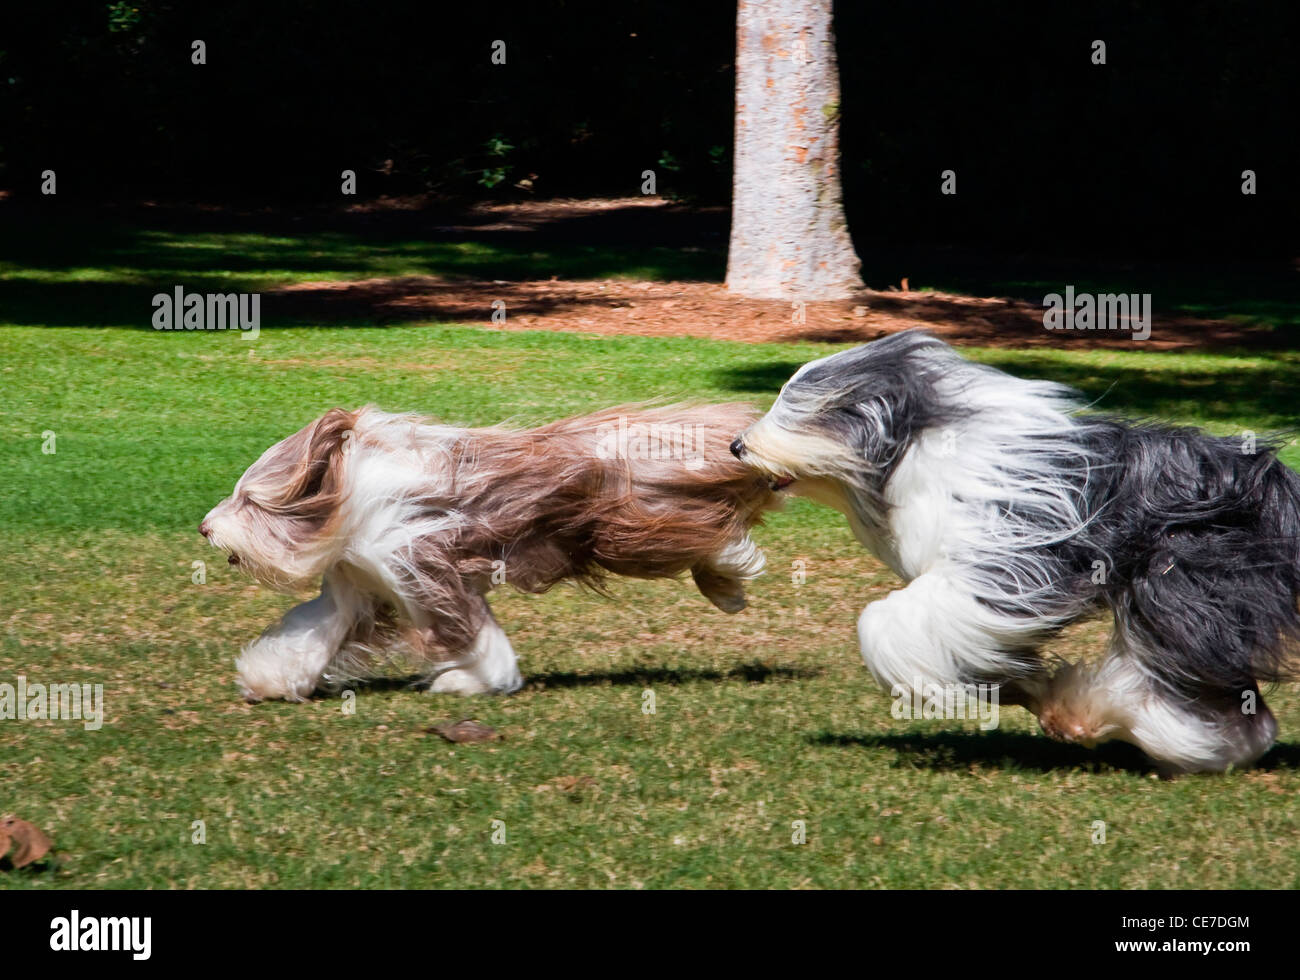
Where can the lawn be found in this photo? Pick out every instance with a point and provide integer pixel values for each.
(762, 720)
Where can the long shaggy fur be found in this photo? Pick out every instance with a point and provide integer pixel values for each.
(1011, 515)
(409, 524)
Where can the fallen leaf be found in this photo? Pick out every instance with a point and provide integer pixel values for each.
(464, 731)
(32, 843)
(574, 785)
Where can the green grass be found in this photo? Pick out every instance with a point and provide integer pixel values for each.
(762, 719)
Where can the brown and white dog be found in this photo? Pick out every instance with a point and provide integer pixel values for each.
(408, 524)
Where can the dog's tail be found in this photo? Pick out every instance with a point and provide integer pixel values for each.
(1212, 609)
(672, 497)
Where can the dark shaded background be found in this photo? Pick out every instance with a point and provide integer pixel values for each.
(1053, 154)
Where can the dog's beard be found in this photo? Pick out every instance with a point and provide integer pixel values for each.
(275, 551)
(798, 459)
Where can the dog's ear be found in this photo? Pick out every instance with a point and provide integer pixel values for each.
(318, 468)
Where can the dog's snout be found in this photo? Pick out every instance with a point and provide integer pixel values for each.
(737, 447)
(205, 528)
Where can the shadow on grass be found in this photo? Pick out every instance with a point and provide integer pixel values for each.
(1169, 389)
(1280, 757)
(752, 673)
(70, 268)
(51, 248)
(377, 685)
(949, 751)
(382, 303)
(1269, 389)
(763, 379)
(152, 249)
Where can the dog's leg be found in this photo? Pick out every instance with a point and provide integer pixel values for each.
(722, 578)
(934, 632)
(1115, 699)
(488, 667)
(289, 659)
(374, 639)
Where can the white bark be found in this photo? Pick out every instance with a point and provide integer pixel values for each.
(789, 237)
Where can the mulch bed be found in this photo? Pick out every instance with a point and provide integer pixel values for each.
(700, 309)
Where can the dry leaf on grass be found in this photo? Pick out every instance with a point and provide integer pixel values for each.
(464, 731)
(575, 785)
(29, 843)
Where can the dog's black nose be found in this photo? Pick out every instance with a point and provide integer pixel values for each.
(737, 448)
(204, 529)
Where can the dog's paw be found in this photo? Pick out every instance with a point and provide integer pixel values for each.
(262, 685)
(1060, 726)
(728, 594)
(461, 682)
(466, 682)
(1066, 726)
(728, 603)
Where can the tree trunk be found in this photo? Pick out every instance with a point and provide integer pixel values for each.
(789, 238)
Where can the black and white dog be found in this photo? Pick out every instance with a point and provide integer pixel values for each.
(1010, 515)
